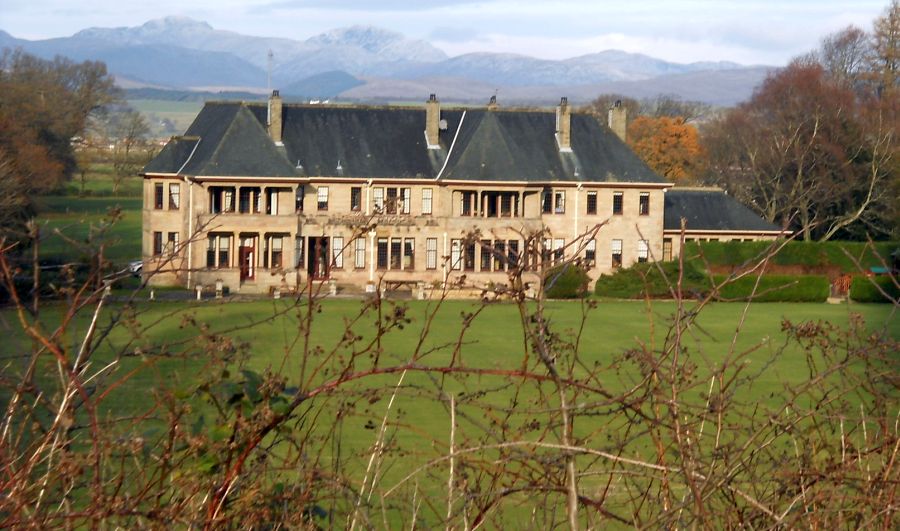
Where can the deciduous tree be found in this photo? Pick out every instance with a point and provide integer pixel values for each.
(668, 145)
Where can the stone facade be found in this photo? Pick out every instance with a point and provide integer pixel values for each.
(244, 214)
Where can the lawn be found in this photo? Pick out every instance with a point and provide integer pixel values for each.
(72, 228)
(419, 420)
(69, 220)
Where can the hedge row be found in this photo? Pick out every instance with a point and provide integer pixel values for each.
(776, 288)
(809, 254)
(862, 289)
(568, 281)
(640, 279)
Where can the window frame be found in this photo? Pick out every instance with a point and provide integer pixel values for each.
(618, 203)
(359, 253)
(616, 250)
(559, 201)
(175, 198)
(157, 243)
(644, 204)
(591, 203)
(322, 191)
(158, 196)
(427, 201)
(431, 253)
(355, 198)
(643, 251)
(337, 252)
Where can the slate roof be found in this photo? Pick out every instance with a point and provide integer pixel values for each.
(390, 143)
(710, 210)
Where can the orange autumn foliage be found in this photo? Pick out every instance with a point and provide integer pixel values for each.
(668, 145)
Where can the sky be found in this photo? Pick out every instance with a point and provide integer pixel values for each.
(748, 32)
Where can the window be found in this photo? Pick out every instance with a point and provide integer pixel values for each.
(617, 203)
(359, 258)
(558, 250)
(396, 244)
(298, 198)
(469, 257)
(158, 196)
(391, 200)
(506, 205)
(322, 198)
(644, 204)
(406, 202)
(378, 194)
(667, 249)
(617, 253)
(643, 250)
(217, 250)
(337, 252)
(559, 202)
(277, 252)
(486, 255)
(426, 204)
(545, 252)
(456, 254)
(298, 252)
(271, 201)
(499, 255)
(592, 203)
(466, 206)
(547, 202)
(590, 252)
(356, 199)
(430, 253)
(157, 243)
(172, 243)
(245, 197)
(409, 253)
(382, 252)
(174, 196)
(512, 253)
(228, 200)
(224, 248)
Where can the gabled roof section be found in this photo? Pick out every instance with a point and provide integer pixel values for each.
(225, 139)
(710, 210)
(521, 146)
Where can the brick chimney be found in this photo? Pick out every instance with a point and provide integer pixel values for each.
(433, 122)
(492, 104)
(274, 117)
(564, 125)
(618, 120)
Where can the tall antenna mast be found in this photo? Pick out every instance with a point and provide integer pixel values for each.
(269, 72)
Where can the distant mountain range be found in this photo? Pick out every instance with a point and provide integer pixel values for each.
(368, 63)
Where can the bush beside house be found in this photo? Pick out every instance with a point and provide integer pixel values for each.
(775, 288)
(863, 289)
(567, 281)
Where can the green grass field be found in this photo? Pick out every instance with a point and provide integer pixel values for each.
(419, 420)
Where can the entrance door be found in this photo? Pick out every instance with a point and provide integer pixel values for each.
(318, 265)
(247, 258)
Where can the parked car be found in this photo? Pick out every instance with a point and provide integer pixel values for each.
(136, 267)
